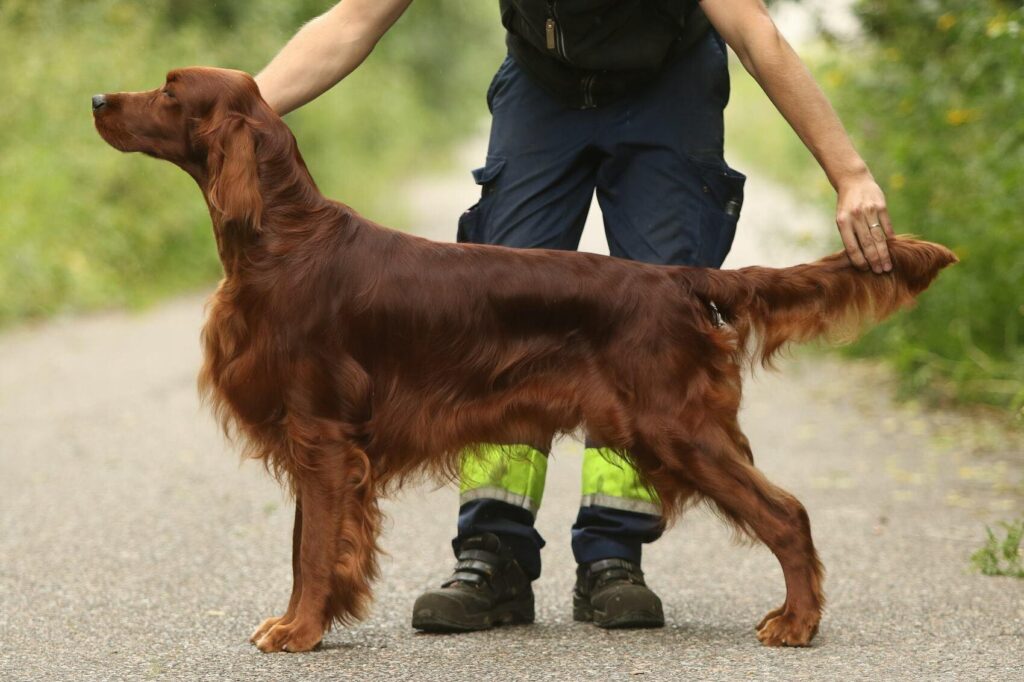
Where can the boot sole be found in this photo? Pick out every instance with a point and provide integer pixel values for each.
(583, 612)
(511, 613)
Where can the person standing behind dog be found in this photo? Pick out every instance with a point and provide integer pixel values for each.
(624, 97)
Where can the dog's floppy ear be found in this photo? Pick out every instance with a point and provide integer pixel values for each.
(233, 187)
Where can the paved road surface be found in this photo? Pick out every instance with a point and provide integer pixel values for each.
(134, 545)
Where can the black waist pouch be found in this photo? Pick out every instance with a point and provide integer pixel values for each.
(587, 88)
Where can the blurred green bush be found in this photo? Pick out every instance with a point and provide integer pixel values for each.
(934, 94)
(82, 226)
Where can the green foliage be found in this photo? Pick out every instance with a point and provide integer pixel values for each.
(83, 226)
(931, 93)
(934, 98)
(1002, 556)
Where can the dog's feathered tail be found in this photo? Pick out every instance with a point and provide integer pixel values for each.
(770, 307)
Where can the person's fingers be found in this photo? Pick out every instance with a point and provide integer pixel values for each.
(853, 252)
(877, 234)
(867, 244)
(883, 216)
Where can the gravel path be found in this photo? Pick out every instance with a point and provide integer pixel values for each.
(134, 546)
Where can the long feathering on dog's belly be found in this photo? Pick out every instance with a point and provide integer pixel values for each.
(771, 307)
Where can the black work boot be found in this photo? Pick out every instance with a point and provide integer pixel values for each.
(488, 588)
(611, 593)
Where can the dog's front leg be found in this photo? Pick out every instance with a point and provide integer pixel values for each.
(302, 627)
(293, 601)
(337, 550)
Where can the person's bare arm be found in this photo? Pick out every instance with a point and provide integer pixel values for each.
(326, 50)
(861, 213)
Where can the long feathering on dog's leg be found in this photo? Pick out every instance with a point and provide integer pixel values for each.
(356, 567)
(770, 307)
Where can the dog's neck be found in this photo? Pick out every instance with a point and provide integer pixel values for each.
(292, 210)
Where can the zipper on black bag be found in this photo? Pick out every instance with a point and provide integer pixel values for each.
(552, 36)
(555, 42)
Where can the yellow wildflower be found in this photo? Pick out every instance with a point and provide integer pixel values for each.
(958, 117)
(897, 181)
(946, 22)
(996, 26)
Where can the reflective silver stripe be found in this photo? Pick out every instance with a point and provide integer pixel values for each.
(641, 506)
(490, 493)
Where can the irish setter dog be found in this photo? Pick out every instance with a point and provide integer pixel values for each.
(351, 358)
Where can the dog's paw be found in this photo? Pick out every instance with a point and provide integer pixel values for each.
(264, 628)
(768, 616)
(293, 636)
(786, 628)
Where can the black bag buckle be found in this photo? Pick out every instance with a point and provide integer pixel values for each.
(716, 316)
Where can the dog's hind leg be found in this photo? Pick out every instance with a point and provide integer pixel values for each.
(293, 601)
(717, 464)
(337, 551)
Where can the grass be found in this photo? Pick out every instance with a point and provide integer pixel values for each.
(1002, 556)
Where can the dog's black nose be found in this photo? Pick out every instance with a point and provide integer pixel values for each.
(98, 102)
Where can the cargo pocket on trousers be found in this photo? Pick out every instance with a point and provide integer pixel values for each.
(470, 221)
(723, 190)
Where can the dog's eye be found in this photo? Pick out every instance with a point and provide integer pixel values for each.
(167, 93)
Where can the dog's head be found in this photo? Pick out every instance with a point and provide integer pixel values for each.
(208, 121)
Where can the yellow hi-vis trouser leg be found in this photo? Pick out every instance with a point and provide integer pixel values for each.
(510, 473)
(611, 481)
(515, 474)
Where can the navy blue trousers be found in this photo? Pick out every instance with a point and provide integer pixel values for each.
(656, 161)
